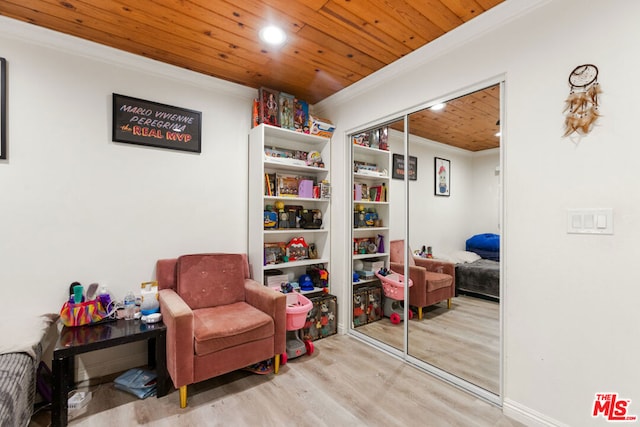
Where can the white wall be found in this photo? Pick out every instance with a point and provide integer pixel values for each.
(445, 223)
(77, 206)
(570, 301)
(484, 207)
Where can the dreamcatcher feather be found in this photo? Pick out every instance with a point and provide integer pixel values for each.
(581, 106)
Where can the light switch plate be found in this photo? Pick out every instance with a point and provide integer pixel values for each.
(590, 221)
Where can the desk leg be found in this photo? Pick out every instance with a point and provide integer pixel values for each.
(162, 379)
(63, 379)
(151, 352)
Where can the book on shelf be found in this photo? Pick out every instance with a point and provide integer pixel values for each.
(378, 192)
(269, 184)
(374, 193)
(364, 192)
(276, 280)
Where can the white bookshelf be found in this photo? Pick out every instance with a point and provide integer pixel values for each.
(269, 137)
(382, 161)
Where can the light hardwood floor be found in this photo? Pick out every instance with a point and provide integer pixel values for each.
(344, 383)
(463, 340)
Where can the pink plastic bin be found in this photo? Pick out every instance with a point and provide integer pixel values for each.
(393, 285)
(297, 308)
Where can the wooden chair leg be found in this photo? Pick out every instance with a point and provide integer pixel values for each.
(419, 313)
(276, 364)
(449, 304)
(183, 396)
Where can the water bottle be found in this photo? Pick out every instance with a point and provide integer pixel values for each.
(129, 306)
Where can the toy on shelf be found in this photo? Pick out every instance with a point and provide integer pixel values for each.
(393, 287)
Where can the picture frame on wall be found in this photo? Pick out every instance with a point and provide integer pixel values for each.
(3, 108)
(442, 177)
(152, 124)
(398, 167)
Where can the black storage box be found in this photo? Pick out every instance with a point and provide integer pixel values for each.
(322, 319)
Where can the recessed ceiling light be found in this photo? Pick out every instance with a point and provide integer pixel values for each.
(272, 35)
(437, 107)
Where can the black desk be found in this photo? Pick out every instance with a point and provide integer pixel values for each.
(82, 339)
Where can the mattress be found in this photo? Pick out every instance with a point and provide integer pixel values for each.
(17, 387)
(21, 347)
(480, 277)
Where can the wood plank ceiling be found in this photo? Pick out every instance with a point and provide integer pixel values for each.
(330, 44)
(470, 122)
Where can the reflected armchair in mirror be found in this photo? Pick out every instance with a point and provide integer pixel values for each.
(433, 280)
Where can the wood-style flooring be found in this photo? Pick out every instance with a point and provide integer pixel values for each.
(344, 383)
(463, 340)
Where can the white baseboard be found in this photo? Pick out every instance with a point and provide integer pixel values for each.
(528, 416)
(110, 360)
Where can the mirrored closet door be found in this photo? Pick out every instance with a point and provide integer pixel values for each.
(446, 218)
(455, 200)
(376, 221)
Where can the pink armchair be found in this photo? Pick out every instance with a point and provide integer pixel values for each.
(433, 280)
(218, 319)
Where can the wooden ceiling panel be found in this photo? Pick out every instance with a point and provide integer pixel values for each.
(469, 122)
(464, 9)
(356, 32)
(331, 44)
(439, 14)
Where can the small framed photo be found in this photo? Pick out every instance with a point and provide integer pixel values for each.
(442, 179)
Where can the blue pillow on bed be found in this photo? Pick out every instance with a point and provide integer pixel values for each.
(486, 245)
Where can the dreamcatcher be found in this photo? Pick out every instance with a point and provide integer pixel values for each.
(582, 104)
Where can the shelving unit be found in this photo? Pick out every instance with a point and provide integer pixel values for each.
(370, 182)
(274, 138)
(371, 167)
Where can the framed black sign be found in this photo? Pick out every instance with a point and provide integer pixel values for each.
(398, 167)
(141, 122)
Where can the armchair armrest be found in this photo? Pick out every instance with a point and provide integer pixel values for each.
(272, 303)
(178, 317)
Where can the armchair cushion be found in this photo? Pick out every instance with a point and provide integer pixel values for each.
(224, 326)
(437, 281)
(206, 280)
